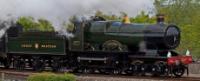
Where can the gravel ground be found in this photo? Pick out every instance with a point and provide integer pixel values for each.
(89, 78)
(93, 78)
(194, 68)
(13, 77)
(21, 76)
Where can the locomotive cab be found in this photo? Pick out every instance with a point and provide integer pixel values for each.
(76, 43)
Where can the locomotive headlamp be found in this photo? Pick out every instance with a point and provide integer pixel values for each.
(187, 59)
(117, 62)
(187, 53)
(169, 54)
(171, 60)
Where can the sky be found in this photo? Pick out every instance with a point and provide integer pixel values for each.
(58, 11)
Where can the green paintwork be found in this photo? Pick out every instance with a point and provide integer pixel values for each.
(40, 43)
(127, 34)
(76, 43)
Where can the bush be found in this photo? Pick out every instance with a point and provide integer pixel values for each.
(51, 77)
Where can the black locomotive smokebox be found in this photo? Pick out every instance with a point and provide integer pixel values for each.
(162, 36)
(172, 36)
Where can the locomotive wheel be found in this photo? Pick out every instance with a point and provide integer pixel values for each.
(137, 68)
(37, 64)
(178, 71)
(158, 69)
(116, 71)
(112, 45)
(129, 71)
(143, 70)
(103, 71)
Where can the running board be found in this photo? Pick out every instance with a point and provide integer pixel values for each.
(91, 59)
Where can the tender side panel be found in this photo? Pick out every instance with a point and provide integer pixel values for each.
(36, 46)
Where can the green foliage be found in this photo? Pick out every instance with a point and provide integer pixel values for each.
(190, 39)
(70, 26)
(51, 77)
(184, 13)
(29, 23)
(45, 25)
(143, 18)
(178, 11)
(107, 17)
(140, 18)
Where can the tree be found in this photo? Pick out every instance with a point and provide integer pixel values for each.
(143, 18)
(70, 25)
(177, 11)
(45, 25)
(184, 13)
(106, 16)
(29, 23)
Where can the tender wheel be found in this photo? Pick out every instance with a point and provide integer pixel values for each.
(57, 64)
(7, 63)
(102, 71)
(77, 70)
(38, 64)
(19, 63)
(86, 70)
(178, 71)
(83, 70)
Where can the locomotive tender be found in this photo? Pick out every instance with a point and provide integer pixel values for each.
(107, 46)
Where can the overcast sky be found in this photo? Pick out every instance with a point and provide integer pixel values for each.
(60, 10)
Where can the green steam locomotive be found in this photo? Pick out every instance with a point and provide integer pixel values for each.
(111, 47)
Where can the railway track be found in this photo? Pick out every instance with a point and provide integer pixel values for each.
(100, 77)
(13, 75)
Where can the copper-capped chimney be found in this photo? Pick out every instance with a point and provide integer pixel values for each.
(160, 18)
